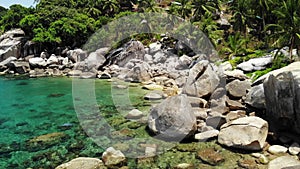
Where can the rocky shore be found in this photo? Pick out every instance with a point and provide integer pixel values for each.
(200, 101)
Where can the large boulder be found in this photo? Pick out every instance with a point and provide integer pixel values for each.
(37, 62)
(76, 55)
(11, 44)
(52, 60)
(20, 67)
(173, 119)
(293, 67)
(95, 60)
(139, 73)
(256, 97)
(282, 94)
(238, 88)
(202, 80)
(247, 133)
(283, 162)
(184, 62)
(132, 50)
(82, 162)
(256, 64)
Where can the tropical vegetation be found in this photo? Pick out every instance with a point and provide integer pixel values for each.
(252, 24)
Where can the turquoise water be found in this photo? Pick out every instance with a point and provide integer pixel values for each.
(32, 109)
(35, 107)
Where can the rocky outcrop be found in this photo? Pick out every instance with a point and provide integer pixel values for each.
(282, 94)
(11, 44)
(247, 133)
(139, 73)
(173, 119)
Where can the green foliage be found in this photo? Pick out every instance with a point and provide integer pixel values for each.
(287, 28)
(235, 46)
(13, 16)
(256, 24)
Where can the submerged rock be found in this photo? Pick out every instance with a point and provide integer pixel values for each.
(247, 133)
(112, 157)
(134, 114)
(211, 156)
(173, 119)
(82, 163)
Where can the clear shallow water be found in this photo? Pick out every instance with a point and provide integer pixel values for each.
(34, 107)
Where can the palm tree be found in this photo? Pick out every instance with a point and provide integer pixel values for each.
(201, 7)
(182, 8)
(287, 29)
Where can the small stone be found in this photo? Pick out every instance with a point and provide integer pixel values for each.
(121, 86)
(277, 149)
(204, 136)
(216, 121)
(263, 159)
(153, 87)
(211, 156)
(134, 114)
(150, 151)
(252, 114)
(104, 76)
(153, 96)
(238, 88)
(294, 149)
(234, 105)
(198, 102)
(200, 113)
(75, 73)
(112, 157)
(184, 166)
(248, 164)
(233, 115)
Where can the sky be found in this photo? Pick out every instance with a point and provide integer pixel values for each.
(7, 3)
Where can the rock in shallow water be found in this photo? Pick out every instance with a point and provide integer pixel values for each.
(247, 133)
(211, 156)
(173, 119)
(83, 163)
(134, 114)
(112, 157)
